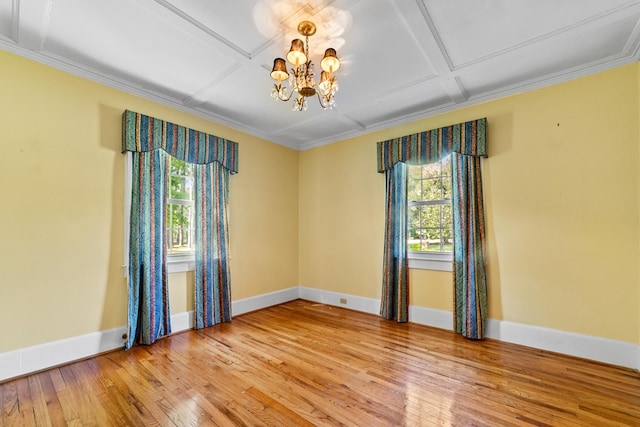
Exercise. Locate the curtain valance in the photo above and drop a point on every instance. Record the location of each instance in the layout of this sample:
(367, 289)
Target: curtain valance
(144, 133)
(429, 146)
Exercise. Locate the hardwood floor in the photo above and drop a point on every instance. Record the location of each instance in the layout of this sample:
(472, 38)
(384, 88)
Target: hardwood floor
(303, 363)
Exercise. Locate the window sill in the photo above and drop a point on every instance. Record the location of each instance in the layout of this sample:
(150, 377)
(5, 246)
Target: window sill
(180, 263)
(431, 261)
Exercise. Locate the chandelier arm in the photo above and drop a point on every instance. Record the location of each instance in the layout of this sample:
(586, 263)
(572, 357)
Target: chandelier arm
(321, 100)
(278, 87)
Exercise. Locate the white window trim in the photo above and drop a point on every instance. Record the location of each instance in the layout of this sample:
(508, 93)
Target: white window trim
(441, 261)
(181, 263)
(422, 260)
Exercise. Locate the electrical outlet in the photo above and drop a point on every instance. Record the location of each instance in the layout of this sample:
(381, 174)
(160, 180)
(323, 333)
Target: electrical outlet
(343, 300)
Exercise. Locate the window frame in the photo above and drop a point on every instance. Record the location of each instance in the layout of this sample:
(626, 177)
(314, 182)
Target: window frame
(429, 260)
(181, 262)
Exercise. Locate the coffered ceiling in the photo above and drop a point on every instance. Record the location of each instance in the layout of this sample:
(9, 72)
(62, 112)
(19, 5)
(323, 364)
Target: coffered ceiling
(401, 60)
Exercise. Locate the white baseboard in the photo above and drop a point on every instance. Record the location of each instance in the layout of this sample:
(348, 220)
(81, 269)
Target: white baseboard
(181, 321)
(424, 316)
(27, 360)
(258, 302)
(33, 359)
(431, 317)
(605, 350)
(366, 305)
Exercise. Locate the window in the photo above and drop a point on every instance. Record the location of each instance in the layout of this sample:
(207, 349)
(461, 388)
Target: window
(429, 216)
(180, 208)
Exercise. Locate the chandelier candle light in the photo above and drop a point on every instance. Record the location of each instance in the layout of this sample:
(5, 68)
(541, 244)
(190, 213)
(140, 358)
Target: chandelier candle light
(301, 77)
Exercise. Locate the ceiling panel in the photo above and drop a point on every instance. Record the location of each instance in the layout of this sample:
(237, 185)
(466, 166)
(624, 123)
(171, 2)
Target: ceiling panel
(241, 31)
(472, 30)
(6, 19)
(522, 66)
(382, 48)
(401, 60)
(312, 133)
(404, 102)
(259, 110)
(145, 49)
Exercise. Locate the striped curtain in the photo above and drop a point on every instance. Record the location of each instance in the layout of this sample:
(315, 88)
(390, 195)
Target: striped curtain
(469, 277)
(212, 293)
(148, 293)
(395, 281)
(468, 141)
(214, 159)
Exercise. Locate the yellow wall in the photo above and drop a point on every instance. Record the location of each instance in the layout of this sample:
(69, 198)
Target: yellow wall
(341, 216)
(562, 186)
(562, 190)
(61, 215)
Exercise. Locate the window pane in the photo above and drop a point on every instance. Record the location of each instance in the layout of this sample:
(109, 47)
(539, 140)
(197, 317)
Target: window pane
(413, 217)
(415, 173)
(414, 190)
(180, 187)
(447, 227)
(432, 170)
(432, 189)
(179, 231)
(429, 212)
(181, 180)
(446, 187)
(446, 178)
(446, 166)
(180, 209)
(431, 222)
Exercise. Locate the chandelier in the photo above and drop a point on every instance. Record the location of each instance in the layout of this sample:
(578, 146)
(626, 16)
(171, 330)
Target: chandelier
(301, 79)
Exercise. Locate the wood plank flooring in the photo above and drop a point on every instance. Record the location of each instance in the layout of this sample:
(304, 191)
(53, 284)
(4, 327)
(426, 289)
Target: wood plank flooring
(303, 364)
